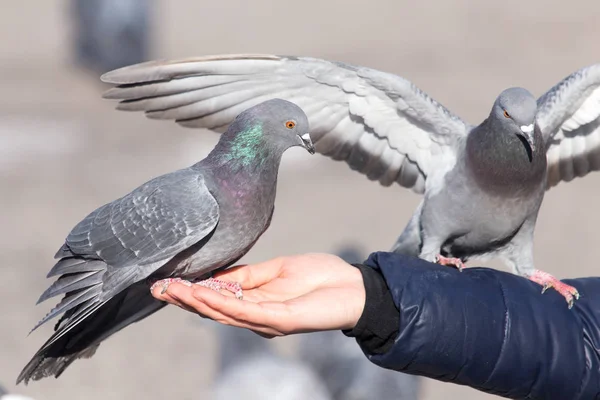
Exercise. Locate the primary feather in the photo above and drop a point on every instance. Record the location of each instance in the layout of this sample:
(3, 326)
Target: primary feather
(380, 124)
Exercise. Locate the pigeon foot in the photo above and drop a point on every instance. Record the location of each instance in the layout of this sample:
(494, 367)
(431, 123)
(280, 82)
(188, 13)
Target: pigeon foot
(547, 281)
(166, 282)
(217, 285)
(450, 261)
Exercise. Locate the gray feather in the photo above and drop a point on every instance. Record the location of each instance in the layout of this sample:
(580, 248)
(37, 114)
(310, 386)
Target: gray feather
(209, 91)
(130, 230)
(71, 282)
(74, 264)
(380, 124)
(69, 302)
(569, 116)
(187, 224)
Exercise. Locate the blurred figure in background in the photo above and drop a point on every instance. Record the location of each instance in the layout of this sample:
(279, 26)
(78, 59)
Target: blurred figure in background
(111, 33)
(328, 366)
(264, 375)
(248, 364)
(4, 395)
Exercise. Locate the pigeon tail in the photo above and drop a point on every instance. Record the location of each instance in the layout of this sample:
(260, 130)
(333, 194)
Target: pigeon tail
(73, 339)
(81, 284)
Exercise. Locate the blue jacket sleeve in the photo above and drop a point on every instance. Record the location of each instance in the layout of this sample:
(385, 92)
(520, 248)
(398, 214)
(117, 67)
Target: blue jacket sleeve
(492, 330)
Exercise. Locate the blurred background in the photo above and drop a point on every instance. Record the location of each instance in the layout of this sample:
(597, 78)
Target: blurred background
(64, 151)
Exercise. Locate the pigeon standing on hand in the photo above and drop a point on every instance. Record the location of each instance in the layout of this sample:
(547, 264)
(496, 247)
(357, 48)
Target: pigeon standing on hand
(181, 225)
(483, 185)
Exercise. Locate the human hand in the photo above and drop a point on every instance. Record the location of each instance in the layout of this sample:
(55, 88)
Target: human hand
(286, 295)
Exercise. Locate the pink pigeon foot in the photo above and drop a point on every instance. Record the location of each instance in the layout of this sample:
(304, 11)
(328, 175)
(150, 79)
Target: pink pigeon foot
(450, 261)
(548, 281)
(218, 285)
(166, 282)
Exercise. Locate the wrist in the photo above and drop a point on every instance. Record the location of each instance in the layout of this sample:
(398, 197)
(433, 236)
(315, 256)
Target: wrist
(378, 325)
(357, 299)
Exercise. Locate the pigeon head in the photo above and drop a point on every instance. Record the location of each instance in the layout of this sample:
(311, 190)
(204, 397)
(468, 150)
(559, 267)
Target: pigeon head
(515, 111)
(278, 123)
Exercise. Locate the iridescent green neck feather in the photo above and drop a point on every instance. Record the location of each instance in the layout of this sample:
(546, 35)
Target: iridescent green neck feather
(245, 149)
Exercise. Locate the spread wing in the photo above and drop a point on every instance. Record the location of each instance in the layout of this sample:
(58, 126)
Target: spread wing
(569, 117)
(380, 124)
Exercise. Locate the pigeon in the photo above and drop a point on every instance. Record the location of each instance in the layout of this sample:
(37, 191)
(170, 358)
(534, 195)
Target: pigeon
(111, 33)
(482, 185)
(182, 225)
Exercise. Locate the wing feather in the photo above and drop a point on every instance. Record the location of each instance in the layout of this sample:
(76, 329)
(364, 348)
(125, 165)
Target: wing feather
(379, 123)
(569, 117)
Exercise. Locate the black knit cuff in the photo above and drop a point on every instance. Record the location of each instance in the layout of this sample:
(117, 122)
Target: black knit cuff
(378, 325)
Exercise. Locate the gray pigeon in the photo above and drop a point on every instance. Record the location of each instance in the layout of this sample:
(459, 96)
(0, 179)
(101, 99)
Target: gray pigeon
(185, 224)
(482, 185)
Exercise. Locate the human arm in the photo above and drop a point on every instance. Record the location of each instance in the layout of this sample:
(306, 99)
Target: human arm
(484, 328)
(491, 330)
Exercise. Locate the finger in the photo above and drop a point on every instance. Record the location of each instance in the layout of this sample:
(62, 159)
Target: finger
(253, 275)
(197, 306)
(264, 331)
(264, 314)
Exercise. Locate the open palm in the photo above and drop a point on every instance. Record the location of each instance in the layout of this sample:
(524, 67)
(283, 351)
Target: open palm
(282, 296)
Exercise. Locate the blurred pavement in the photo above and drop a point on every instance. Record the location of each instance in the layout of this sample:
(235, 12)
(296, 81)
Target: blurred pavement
(64, 151)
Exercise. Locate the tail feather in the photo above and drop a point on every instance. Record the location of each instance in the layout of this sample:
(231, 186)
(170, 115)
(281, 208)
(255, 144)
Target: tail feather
(84, 327)
(80, 281)
(40, 367)
(70, 301)
(72, 282)
(74, 265)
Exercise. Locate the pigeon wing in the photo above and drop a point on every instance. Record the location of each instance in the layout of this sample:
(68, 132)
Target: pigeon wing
(569, 118)
(380, 124)
(151, 224)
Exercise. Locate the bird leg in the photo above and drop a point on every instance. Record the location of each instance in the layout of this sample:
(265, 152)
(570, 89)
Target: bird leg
(450, 261)
(166, 282)
(218, 285)
(548, 281)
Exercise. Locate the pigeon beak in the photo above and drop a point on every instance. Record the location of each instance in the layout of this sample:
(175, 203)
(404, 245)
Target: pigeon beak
(307, 143)
(528, 135)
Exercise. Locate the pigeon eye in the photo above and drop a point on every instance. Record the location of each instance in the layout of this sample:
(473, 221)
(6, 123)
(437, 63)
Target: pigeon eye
(290, 124)
(507, 115)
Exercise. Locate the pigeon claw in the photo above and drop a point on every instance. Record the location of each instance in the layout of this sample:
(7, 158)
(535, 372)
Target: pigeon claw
(218, 285)
(166, 282)
(547, 281)
(450, 261)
